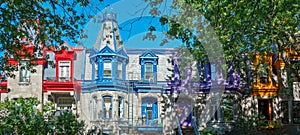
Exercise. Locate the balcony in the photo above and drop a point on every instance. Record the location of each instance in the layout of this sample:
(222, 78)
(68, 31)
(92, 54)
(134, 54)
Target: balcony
(138, 125)
(60, 79)
(61, 84)
(105, 84)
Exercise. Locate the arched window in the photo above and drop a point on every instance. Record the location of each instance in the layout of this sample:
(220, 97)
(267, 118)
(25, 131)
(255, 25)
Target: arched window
(121, 107)
(107, 107)
(94, 108)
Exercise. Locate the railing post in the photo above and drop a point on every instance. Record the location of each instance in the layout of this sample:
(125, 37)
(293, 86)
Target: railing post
(178, 124)
(195, 126)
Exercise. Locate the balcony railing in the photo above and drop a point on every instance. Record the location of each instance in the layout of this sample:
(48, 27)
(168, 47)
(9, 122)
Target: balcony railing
(60, 79)
(136, 122)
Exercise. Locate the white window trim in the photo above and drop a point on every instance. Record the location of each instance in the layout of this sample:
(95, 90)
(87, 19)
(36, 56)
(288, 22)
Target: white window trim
(23, 63)
(109, 67)
(67, 64)
(145, 74)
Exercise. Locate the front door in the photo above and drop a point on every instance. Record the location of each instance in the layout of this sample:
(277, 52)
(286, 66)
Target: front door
(265, 108)
(149, 112)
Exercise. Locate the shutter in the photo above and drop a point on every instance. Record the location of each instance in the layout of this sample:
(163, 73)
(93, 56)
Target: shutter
(154, 111)
(144, 109)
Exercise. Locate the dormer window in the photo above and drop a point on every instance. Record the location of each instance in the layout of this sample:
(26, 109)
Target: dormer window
(148, 71)
(64, 70)
(149, 62)
(107, 69)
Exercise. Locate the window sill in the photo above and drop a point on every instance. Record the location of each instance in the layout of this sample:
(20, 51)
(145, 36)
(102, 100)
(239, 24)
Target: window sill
(24, 83)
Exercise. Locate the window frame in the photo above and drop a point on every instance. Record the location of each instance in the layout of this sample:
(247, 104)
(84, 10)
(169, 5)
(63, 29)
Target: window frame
(94, 108)
(104, 108)
(108, 68)
(151, 73)
(121, 107)
(24, 73)
(96, 70)
(263, 72)
(64, 65)
(119, 70)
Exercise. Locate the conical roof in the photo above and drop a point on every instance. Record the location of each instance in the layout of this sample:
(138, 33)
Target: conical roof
(109, 34)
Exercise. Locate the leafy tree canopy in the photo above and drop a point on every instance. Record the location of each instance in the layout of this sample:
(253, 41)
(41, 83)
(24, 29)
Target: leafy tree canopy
(240, 26)
(39, 22)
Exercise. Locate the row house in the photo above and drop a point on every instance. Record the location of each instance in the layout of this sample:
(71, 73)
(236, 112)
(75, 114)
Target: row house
(61, 77)
(121, 90)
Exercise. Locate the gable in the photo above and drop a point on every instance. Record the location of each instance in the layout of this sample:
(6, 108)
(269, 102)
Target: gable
(122, 52)
(106, 49)
(148, 54)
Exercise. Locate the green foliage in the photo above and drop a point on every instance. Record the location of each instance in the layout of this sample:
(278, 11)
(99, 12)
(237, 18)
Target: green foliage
(240, 26)
(208, 131)
(66, 124)
(24, 116)
(228, 109)
(38, 22)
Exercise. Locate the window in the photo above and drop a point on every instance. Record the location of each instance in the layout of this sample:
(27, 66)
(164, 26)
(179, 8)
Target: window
(149, 112)
(107, 69)
(120, 70)
(107, 107)
(94, 108)
(265, 108)
(263, 73)
(148, 71)
(24, 73)
(64, 70)
(121, 107)
(65, 103)
(96, 70)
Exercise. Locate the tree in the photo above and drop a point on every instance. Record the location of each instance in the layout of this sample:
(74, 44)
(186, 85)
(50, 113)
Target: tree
(22, 116)
(241, 27)
(40, 23)
(66, 124)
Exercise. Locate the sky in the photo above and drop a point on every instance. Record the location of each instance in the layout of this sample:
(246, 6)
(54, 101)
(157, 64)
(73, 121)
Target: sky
(134, 20)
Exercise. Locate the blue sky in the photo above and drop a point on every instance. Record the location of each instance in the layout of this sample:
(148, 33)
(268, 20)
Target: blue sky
(134, 20)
